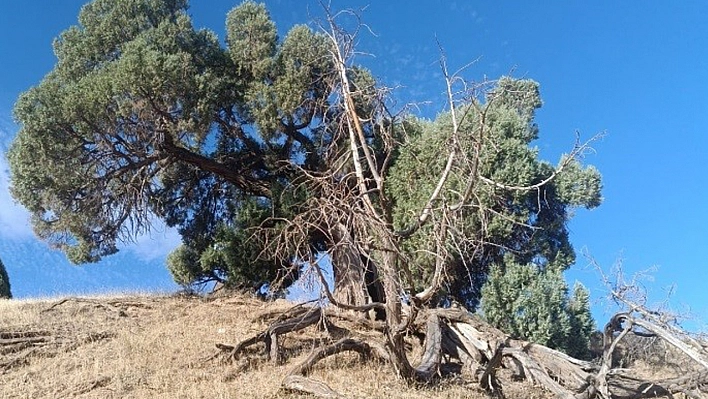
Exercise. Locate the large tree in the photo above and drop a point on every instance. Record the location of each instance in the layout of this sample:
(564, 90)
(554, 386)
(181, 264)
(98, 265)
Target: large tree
(271, 155)
(264, 152)
(145, 117)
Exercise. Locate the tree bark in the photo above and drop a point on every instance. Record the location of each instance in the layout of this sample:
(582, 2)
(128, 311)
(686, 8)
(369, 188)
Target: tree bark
(356, 280)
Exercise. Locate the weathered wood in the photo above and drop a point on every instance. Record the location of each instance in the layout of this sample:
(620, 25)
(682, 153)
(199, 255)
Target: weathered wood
(666, 335)
(488, 378)
(457, 335)
(453, 346)
(573, 373)
(9, 334)
(297, 377)
(538, 374)
(430, 362)
(343, 345)
(303, 318)
(625, 386)
(303, 384)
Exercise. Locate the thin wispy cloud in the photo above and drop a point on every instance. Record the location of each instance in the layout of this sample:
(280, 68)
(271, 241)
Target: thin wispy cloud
(155, 244)
(14, 218)
(15, 224)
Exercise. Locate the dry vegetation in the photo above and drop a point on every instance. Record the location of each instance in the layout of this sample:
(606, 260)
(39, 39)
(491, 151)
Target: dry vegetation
(165, 347)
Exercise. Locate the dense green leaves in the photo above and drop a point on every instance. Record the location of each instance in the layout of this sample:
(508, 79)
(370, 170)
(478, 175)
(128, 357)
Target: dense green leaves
(146, 117)
(252, 39)
(532, 303)
(143, 116)
(510, 215)
(582, 325)
(232, 254)
(86, 159)
(5, 291)
(105, 27)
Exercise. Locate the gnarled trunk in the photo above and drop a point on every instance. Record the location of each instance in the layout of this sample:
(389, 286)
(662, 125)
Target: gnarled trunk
(356, 279)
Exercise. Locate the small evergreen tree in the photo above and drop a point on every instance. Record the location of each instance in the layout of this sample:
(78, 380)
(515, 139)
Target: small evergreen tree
(531, 302)
(581, 323)
(4, 283)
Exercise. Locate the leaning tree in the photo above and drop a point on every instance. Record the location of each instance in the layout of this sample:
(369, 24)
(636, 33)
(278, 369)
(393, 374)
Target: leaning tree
(277, 156)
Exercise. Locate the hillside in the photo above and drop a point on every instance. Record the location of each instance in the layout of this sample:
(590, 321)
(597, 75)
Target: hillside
(164, 347)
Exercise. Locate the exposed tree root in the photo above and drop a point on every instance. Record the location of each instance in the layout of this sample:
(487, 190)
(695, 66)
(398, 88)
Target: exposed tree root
(116, 306)
(430, 362)
(297, 380)
(15, 341)
(303, 384)
(455, 336)
(17, 347)
(298, 319)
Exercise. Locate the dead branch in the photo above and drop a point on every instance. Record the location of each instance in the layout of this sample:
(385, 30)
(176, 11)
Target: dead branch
(303, 384)
(305, 317)
(665, 334)
(362, 322)
(343, 345)
(23, 345)
(107, 305)
(12, 345)
(350, 215)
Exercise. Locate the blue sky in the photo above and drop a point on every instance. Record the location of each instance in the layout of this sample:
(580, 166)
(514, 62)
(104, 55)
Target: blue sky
(635, 70)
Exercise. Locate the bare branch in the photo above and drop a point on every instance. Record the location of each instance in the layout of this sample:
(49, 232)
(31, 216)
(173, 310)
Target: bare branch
(577, 151)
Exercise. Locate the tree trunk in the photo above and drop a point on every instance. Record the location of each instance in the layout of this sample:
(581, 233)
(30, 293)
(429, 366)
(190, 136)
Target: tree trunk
(356, 280)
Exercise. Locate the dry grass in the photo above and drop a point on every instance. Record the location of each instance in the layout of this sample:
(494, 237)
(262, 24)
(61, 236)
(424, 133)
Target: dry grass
(155, 347)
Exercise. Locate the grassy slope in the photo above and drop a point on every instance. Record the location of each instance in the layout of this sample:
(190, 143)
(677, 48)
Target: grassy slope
(156, 347)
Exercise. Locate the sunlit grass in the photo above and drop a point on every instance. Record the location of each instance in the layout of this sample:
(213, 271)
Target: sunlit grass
(123, 345)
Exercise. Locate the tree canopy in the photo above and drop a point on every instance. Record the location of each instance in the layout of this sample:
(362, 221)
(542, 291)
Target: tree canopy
(143, 116)
(246, 149)
(273, 156)
(517, 211)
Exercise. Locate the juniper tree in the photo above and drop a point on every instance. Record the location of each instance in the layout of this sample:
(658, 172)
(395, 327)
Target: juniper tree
(145, 117)
(582, 325)
(531, 302)
(270, 154)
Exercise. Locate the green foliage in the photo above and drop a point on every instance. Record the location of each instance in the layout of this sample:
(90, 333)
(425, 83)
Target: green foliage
(252, 38)
(582, 326)
(532, 303)
(144, 117)
(84, 161)
(4, 283)
(232, 255)
(495, 138)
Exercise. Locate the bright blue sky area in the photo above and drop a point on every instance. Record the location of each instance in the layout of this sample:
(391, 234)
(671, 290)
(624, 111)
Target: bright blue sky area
(635, 70)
